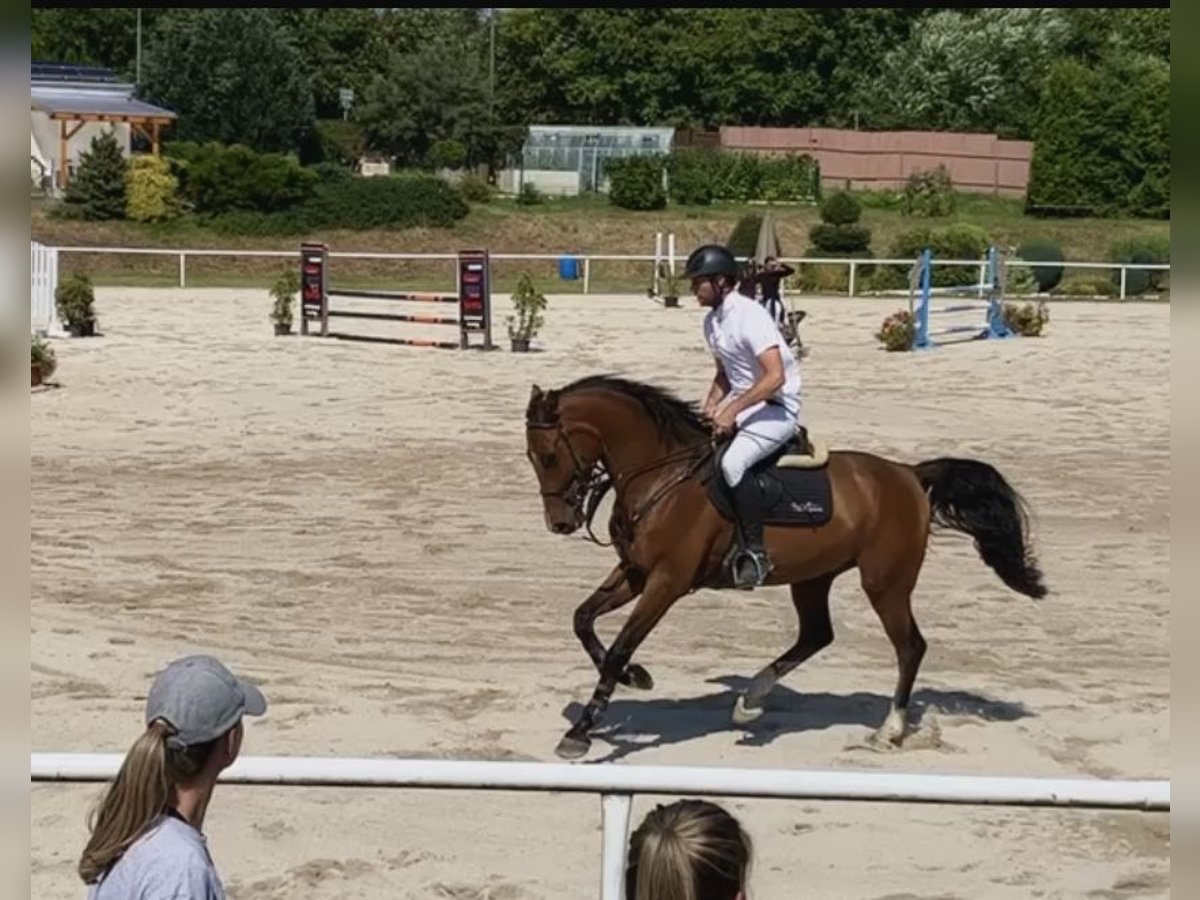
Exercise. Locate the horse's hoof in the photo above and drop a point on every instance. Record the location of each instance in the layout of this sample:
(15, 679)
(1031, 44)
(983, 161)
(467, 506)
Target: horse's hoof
(572, 748)
(884, 741)
(636, 677)
(742, 714)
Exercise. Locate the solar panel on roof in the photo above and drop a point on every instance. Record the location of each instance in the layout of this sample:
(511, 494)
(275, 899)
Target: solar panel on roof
(45, 71)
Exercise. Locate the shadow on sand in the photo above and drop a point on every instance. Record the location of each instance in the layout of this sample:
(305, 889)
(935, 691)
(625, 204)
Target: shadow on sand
(632, 725)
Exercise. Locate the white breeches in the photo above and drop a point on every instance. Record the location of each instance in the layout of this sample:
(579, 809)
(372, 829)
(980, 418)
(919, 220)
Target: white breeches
(758, 435)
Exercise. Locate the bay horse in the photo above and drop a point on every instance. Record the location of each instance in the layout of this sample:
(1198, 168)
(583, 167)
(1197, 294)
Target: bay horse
(672, 537)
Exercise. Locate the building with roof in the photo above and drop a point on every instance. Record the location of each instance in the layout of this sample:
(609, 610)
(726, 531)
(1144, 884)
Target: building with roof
(72, 104)
(566, 160)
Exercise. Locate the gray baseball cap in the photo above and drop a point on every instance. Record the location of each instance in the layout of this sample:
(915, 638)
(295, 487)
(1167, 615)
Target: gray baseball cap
(201, 700)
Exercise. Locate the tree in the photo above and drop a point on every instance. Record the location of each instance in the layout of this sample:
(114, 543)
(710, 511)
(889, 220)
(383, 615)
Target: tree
(1103, 136)
(97, 191)
(434, 92)
(963, 71)
(231, 75)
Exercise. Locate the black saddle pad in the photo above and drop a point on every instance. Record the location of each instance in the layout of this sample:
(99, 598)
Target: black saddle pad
(789, 496)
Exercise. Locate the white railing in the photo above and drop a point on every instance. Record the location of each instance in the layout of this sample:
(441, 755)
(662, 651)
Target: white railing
(617, 784)
(587, 259)
(43, 281)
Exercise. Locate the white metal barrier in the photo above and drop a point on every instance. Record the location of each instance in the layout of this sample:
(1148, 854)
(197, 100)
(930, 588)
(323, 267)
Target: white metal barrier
(616, 785)
(43, 281)
(652, 260)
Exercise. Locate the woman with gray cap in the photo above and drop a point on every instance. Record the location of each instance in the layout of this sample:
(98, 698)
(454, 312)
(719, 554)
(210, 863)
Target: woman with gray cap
(147, 833)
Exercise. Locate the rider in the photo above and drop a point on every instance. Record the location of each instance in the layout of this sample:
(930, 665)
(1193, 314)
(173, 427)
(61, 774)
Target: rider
(756, 389)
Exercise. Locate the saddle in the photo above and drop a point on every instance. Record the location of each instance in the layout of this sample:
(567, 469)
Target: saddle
(793, 483)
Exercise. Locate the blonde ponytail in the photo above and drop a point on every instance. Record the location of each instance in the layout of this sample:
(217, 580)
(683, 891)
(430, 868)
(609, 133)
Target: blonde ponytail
(688, 850)
(143, 790)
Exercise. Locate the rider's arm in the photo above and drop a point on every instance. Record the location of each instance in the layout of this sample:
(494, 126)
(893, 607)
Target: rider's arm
(770, 381)
(718, 391)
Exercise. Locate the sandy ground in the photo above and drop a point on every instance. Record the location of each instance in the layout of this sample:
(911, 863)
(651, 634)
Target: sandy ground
(355, 527)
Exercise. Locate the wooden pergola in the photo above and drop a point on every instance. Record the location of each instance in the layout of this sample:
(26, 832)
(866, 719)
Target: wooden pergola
(69, 123)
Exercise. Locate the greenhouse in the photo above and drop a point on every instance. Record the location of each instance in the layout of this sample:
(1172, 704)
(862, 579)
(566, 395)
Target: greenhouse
(568, 159)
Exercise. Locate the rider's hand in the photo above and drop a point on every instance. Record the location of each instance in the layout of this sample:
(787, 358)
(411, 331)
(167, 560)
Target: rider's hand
(724, 420)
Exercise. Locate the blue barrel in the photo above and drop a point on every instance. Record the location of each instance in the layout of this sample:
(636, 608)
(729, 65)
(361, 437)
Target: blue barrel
(568, 268)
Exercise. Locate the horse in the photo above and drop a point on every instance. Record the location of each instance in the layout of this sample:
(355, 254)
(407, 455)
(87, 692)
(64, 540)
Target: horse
(673, 535)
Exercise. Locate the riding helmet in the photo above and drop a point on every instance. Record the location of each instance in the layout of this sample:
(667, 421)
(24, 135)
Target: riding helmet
(711, 259)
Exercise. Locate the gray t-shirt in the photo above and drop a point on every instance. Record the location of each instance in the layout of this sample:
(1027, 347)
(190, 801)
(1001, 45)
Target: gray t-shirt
(169, 862)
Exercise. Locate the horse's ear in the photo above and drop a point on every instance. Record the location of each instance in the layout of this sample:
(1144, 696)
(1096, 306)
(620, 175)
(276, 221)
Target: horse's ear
(535, 394)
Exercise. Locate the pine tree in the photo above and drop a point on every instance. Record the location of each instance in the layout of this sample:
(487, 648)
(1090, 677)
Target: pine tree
(97, 191)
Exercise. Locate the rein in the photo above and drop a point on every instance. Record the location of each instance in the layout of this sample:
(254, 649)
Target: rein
(595, 483)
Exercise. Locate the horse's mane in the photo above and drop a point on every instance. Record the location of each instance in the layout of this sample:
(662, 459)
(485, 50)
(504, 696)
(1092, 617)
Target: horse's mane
(679, 419)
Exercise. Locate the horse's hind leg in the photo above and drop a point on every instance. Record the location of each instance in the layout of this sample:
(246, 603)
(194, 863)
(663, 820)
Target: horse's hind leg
(891, 596)
(816, 633)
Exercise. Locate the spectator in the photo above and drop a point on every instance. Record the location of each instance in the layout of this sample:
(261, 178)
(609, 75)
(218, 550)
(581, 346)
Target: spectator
(147, 835)
(688, 850)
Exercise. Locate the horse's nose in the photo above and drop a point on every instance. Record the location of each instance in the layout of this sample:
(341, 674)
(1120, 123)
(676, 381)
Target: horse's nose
(561, 528)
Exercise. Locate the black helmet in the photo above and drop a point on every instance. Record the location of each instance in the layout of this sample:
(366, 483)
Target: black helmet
(711, 259)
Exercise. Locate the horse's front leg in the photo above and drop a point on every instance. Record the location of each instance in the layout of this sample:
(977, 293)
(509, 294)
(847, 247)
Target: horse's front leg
(619, 588)
(661, 591)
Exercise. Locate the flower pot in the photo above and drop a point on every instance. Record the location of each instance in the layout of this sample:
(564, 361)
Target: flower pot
(36, 378)
(670, 301)
(82, 329)
(520, 345)
(282, 328)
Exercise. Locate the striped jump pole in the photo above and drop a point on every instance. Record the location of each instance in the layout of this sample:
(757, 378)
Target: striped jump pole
(992, 327)
(473, 300)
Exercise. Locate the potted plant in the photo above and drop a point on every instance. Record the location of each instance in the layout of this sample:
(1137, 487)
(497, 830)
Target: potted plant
(73, 300)
(283, 292)
(670, 286)
(529, 304)
(43, 360)
(897, 331)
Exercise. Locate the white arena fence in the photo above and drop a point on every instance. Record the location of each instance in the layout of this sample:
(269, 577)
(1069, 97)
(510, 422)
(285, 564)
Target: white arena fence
(43, 282)
(586, 260)
(617, 784)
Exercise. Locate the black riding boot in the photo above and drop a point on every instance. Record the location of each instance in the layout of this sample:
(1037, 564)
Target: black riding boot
(750, 564)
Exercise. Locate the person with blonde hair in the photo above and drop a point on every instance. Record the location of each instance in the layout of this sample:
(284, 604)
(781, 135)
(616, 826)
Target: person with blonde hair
(147, 834)
(688, 850)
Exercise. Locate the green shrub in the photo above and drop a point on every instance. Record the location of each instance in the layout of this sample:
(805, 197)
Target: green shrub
(700, 175)
(97, 189)
(958, 241)
(223, 179)
(840, 208)
(395, 201)
(150, 190)
(929, 194)
(839, 239)
(690, 175)
(1041, 250)
(475, 188)
(447, 154)
(887, 278)
(1078, 285)
(1143, 251)
(636, 182)
(339, 141)
(529, 195)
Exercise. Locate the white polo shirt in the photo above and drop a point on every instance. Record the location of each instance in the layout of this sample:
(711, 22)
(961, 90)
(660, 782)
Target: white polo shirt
(738, 331)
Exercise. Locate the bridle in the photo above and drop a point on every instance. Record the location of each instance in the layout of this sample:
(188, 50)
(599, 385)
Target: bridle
(585, 488)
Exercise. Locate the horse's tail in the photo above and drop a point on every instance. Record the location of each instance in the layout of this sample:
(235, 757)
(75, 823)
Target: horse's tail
(974, 498)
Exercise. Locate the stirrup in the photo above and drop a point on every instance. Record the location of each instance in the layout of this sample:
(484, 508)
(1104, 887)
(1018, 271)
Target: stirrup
(758, 569)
